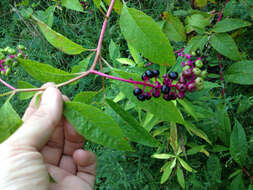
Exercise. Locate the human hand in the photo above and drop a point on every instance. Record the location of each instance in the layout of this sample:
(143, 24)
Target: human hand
(46, 143)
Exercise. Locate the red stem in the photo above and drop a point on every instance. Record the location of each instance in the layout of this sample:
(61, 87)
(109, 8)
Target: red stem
(7, 85)
(247, 173)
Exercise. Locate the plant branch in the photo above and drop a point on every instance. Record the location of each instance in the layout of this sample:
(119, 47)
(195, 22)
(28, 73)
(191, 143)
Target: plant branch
(102, 35)
(7, 85)
(247, 173)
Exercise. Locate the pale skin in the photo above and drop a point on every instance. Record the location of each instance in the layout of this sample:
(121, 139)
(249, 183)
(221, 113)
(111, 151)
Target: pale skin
(46, 144)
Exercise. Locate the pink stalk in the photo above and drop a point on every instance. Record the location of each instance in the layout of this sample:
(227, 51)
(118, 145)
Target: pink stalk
(102, 34)
(121, 79)
(7, 85)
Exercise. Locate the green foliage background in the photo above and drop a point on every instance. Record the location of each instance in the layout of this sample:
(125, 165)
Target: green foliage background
(123, 170)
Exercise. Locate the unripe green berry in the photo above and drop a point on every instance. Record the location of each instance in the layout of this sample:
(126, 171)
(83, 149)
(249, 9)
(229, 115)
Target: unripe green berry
(194, 53)
(20, 55)
(11, 51)
(200, 87)
(199, 63)
(2, 73)
(186, 67)
(196, 71)
(8, 61)
(8, 71)
(21, 47)
(204, 74)
(199, 81)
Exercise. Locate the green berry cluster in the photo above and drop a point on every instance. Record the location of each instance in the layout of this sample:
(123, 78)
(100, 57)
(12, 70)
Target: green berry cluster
(8, 58)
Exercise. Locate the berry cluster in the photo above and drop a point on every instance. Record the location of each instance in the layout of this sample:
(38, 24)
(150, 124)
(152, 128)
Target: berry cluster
(8, 58)
(84, 3)
(173, 85)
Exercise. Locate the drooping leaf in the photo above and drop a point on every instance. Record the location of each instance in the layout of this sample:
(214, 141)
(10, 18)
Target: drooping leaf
(47, 16)
(237, 183)
(225, 45)
(197, 132)
(180, 177)
(240, 73)
(173, 136)
(44, 72)
(214, 169)
(117, 5)
(126, 61)
(114, 50)
(185, 165)
(174, 28)
(238, 144)
(166, 111)
(188, 107)
(73, 5)
(58, 40)
(168, 170)
(229, 24)
(9, 121)
(163, 156)
(86, 97)
(95, 125)
(25, 95)
(134, 131)
(135, 54)
(136, 28)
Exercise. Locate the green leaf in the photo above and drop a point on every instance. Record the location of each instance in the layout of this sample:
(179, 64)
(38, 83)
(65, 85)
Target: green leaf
(134, 131)
(197, 42)
(219, 148)
(168, 170)
(180, 177)
(235, 173)
(200, 3)
(185, 165)
(126, 61)
(198, 21)
(82, 65)
(198, 132)
(162, 156)
(237, 183)
(135, 54)
(188, 107)
(114, 50)
(225, 45)
(214, 169)
(44, 72)
(174, 28)
(9, 121)
(47, 16)
(86, 97)
(240, 73)
(95, 125)
(136, 28)
(238, 144)
(117, 5)
(58, 40)
(97, 3)
(229, 24)
(173, 136)
(73, 5)
(224, 125)
(166, 111)
(25, 95)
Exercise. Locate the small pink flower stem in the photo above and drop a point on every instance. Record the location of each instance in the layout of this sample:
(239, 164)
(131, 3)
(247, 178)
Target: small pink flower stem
(178, 51)
(120, 79)
(7, 85)
(102, 35)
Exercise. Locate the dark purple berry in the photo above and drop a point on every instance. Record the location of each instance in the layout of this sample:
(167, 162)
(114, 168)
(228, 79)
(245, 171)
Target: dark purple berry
(149, 73)
(144, 77)
(156, 93)
(173, 96)
(173, 75)
(166, 97)
(165, 89)
(181, 87)
(191, 87)
(187, 72)
(156, 73)
(147, 96)
(141, 97)
(137, 91)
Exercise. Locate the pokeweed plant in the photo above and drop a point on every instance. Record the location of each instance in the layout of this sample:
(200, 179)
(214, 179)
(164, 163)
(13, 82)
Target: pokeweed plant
(161, 95)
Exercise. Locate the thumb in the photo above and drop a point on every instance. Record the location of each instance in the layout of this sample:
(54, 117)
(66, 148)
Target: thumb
(37, 130)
